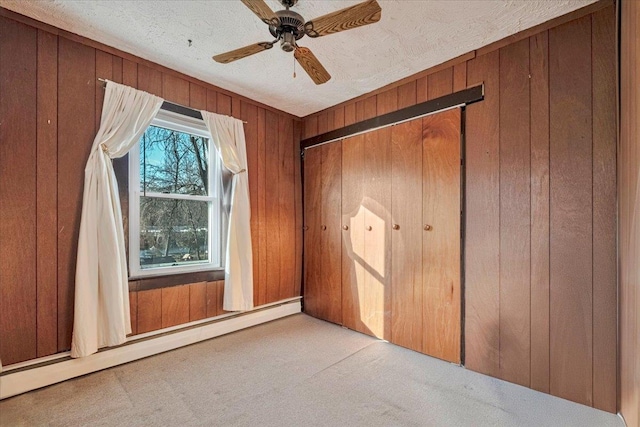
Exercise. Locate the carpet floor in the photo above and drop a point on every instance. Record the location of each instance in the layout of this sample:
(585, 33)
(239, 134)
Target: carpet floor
(296, 371)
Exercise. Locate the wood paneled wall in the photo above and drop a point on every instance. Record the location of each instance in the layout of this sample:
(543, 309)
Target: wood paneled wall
(540, 231)
(50, 106)
(628, 210)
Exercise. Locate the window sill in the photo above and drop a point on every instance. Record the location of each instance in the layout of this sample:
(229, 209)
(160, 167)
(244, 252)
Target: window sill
(176, 279)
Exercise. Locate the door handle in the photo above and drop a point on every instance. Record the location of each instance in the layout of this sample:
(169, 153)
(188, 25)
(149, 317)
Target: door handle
(396, 226)
(427, 227)
(369, 228)
(345, 227)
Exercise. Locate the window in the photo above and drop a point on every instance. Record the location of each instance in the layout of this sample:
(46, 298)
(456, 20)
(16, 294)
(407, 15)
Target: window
(174, 199)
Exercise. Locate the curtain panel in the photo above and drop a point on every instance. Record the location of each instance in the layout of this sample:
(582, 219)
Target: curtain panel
(228, 137)
(101, 305)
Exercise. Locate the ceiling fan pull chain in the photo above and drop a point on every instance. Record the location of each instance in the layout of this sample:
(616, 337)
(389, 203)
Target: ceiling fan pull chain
(294, 67)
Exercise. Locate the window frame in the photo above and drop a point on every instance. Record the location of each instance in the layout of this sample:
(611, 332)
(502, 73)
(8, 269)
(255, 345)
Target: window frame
(180, 123)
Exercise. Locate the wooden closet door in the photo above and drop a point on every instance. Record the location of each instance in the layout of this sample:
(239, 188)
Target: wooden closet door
(330, 262)
(366, 212)
(353, 268)
(312, 219)
(406, 237)
(375, 304)
(441, 235)
(322, 238)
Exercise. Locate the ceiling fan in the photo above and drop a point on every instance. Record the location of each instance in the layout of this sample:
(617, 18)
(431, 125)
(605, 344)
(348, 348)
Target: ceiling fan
(288, 27)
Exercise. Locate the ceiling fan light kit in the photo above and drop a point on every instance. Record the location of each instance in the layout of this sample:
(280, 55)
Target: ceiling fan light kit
(288, 27)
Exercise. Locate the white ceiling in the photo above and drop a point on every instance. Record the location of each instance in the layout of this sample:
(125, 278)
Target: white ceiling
(411, 36)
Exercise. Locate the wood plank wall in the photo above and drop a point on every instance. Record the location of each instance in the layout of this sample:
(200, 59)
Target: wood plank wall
(540, 231)
(50, 108)
(629, 207)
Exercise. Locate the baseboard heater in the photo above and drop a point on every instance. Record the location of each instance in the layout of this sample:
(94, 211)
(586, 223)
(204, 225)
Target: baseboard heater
(23, 377)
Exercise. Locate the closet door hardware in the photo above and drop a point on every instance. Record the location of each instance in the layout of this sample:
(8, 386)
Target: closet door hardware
(369, 228)
(324, 227)
(345, 227)
(396, 226)
(427, 227)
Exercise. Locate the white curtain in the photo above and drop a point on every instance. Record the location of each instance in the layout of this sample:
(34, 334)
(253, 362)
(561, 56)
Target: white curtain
(102, 290)
(228, 137)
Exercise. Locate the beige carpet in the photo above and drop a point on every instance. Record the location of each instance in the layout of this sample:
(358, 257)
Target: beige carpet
(296, 371)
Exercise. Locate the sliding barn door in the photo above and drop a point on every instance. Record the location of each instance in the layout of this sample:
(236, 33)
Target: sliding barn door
(441, 235)
(322, 237)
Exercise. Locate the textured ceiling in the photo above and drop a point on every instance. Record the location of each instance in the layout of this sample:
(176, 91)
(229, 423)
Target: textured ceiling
(411, 36)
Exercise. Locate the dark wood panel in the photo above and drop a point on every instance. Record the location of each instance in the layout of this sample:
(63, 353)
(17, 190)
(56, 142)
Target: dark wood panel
(338, 117)
(116, 65)
(360, 111)
(236, 106)
(459, 76)
(604, 210)
(212, 100)
(441, 241)
(297, 163)
(407, 94)
(330, 231)
(370, 107)
(104, 70)
(515, 214)
(482, 229)
(149, 310)
(224, 104)
(150, 80)
(539, 63)
(271, 219)
(375, 300)
(129, 73)
(220, 289)
(133, 312)
(286, 208)
(312, 216)
(422, 89)
(406, 240)
(175, 89)
(18, 82)
(323, 122)
(440, 83)
(197, 301)
(310, 126)
(47, 194)
(571, 344)
(387, 101)
(353, 268)
(175, 305)
(213, 302)
(349, 114)
(76, 131)
(197, 96)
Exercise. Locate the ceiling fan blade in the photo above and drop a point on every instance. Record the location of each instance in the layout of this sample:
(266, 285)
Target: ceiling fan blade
(344, 19)
(264, 12)
(311, 65)
(243, 52)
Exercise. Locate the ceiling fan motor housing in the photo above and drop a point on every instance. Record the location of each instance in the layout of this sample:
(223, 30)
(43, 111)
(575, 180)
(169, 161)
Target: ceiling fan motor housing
(291, 28)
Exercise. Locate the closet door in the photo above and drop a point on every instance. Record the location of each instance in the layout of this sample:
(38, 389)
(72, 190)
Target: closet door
(366, 221)
(353, 267)
(330, 235)
(441, 235)
(322, 237)
(406, 237)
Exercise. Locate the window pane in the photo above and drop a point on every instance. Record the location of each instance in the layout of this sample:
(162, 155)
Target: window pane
(173, 232)
(173, 162)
